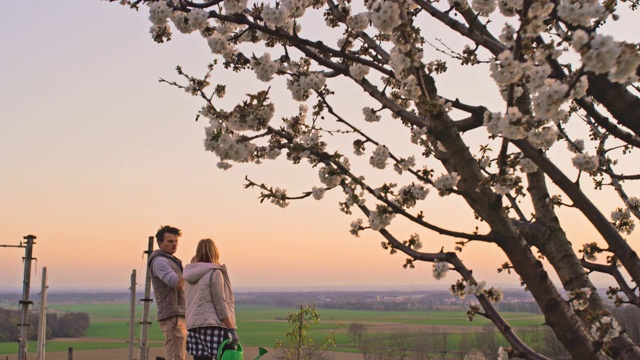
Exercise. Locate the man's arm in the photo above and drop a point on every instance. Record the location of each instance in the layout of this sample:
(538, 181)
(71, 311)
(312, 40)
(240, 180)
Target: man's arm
(163, 270)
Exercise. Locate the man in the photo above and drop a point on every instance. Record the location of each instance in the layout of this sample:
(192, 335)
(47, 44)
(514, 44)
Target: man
(168, 287)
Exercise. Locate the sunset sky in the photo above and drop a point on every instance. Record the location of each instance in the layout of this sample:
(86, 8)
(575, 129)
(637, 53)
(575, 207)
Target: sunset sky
(96, 154)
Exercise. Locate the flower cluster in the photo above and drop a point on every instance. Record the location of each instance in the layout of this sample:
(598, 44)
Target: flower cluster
(414, 242)
(409, 195)
(543, 138)
(218, 43)
(580, 298)
(228, 147)
(484, 7)
(234, 6)
(622, 220)
(379, 158)
(447, 181)
(356, 226)
(440, 269)
(404, 164)
(586, 162)
(301, 86)
(329, 176)
(385, 15)
(463, 288)
(494, 294)
(581, 13)
(318, 193)
(512, 125)
(527, 165)
(264, 67)
(274, 16)
(358, 22)
(279, 197)
(380, 218)
(358, 71)
(606, 329)
(505, 69)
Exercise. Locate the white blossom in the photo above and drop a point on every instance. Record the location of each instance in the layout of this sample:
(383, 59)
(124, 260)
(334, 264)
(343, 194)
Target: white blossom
(484, 7)
(461, 5)
(527, 165)
(358, 71)
(359, 22)
(626, 65)
(370, 115)
(274, 16)
(447, 181)
(398, 61)
(579, 39)
(602, 55)
(279, 197)
(505, 69)
(386, 17)
(605, 329)
(198, 19)
(417, 133)
(510, 8)
(329, 176)
(159, 12)
(410, 88)
(580, 298)
(440, 269)
(218, 43)
(502, 354)
(405, 164)
(543, 138)
(475, 289)
(234, 6)
(264, 67)
(356, 226)
(379, 158)
(633, 202)
(576, 146)
(586, 162)
(580, 13)
(380, 218)
(296, 8)
(547, 102)
(318, 193)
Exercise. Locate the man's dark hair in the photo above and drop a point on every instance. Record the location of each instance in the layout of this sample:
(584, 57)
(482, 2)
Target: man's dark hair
(165, 229)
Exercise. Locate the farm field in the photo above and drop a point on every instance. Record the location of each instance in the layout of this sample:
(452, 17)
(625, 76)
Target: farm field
(262, 326)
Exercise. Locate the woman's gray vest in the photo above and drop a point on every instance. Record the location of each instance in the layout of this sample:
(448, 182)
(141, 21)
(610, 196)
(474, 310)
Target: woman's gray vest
(170, 301)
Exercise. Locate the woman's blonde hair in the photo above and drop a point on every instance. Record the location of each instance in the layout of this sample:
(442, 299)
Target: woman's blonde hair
(207, 251)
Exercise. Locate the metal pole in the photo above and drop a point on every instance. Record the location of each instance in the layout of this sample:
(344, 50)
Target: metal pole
(132, 316)
(144, 331)
(42, 324)
(24, 303)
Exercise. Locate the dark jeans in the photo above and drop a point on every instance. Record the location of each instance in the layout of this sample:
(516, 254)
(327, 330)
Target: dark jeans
(203, 358)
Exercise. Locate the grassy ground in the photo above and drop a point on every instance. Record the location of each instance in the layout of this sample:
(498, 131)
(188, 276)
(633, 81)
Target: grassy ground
(261, 326)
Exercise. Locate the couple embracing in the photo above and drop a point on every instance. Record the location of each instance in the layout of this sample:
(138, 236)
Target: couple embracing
(195, 305)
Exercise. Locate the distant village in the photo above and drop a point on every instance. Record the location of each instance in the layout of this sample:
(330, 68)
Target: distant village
(389, 300)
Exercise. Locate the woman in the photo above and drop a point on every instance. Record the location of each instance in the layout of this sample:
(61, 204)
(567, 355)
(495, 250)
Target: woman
(210, 311)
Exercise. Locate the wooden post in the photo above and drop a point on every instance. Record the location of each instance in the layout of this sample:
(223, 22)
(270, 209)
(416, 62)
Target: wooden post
(144, 331)
(24, 303)
(42, 324)
(70, 355)
(132, 315)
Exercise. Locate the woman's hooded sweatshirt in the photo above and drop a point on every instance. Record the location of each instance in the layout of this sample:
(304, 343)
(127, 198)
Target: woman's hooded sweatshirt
(209, 297)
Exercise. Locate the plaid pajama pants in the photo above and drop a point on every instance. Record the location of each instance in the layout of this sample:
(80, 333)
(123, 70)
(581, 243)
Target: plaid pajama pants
(205, 341)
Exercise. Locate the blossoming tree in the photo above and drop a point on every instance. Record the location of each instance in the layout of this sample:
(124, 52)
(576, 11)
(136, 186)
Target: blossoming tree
(569, 95)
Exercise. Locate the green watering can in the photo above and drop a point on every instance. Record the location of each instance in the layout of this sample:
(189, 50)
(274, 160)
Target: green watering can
(230, 354)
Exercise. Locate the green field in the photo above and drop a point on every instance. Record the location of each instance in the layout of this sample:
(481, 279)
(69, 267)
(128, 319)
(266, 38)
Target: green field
(261, 326)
